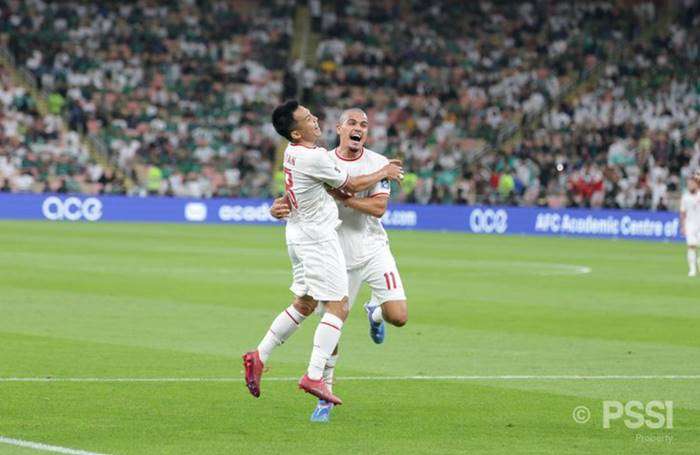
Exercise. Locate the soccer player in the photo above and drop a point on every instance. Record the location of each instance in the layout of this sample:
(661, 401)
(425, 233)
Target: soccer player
(318, 264)
(690, 221)
(364, 242)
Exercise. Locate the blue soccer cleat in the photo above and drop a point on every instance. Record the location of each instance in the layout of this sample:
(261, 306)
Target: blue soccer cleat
(322, 413)
(377, 330)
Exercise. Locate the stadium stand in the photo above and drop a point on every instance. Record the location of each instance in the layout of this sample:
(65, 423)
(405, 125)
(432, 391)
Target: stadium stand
(37, 152)
(179, 93)
(443, 84)
(629, 141)
(590, 104)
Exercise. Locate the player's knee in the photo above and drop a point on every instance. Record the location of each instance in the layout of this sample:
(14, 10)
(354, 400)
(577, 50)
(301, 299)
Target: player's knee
(399, 320)
(344, 309)
(397, 317)
(305, 305)
(341, 308)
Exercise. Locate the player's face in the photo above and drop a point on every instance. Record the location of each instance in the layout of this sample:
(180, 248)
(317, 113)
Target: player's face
(354, 130)
(306, 128)
(692, 184)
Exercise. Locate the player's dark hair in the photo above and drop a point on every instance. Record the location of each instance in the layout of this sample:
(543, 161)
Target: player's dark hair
(283, 118)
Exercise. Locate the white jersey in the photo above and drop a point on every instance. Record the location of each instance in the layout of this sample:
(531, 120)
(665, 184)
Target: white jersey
(361, 235)
(314, 214)
(690, 205)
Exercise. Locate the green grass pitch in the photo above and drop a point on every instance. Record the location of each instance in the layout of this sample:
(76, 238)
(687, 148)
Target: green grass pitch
(180, 301)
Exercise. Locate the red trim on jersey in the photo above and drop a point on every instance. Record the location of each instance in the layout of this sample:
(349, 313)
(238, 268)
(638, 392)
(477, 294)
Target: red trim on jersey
(347, 177)
(379, 194)
(329, 324)
(362, 152)
(302, 145)
(292, 317)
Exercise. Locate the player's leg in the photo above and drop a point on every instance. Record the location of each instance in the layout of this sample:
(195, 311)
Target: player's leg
(692, 255)
(282, 327)
(354, 285)
(395, 312)
(285, 324)
(328, 282)
(322, 412)
(388, 302)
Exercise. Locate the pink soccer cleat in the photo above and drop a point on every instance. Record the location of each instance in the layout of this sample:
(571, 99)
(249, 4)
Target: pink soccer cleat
(318, 389)
(253, 372)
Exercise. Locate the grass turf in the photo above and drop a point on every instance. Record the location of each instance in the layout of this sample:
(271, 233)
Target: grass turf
(176, 301)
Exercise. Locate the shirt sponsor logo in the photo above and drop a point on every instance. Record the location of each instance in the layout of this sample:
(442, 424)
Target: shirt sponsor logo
(71, 209)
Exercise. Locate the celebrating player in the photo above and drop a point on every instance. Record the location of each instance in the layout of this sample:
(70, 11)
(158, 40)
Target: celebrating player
(364, 242)
(318, 263)
(690, 221)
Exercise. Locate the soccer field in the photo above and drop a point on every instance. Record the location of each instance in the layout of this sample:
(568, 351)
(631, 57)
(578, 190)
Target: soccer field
(508, 335)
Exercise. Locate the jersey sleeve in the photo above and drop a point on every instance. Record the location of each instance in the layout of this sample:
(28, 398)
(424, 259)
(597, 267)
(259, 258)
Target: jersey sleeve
(383, 186)
(323, 168)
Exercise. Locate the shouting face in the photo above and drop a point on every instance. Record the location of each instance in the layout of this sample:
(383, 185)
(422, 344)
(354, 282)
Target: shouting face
(352, 129)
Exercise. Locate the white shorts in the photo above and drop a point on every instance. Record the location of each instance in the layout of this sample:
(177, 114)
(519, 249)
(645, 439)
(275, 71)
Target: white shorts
(692, 235)
(318, 270)
(382, 276)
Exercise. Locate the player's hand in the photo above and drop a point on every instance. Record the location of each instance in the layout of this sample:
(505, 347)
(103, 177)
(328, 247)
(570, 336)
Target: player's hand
(280, 208)
(338, 193)
(394, 170)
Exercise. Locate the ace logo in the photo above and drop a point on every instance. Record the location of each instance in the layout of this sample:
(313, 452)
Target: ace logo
(488, 221)
(654, 415)
(71, 209)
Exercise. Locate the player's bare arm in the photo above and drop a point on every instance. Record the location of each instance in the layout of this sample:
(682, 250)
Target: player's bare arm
(392, 171)
(338, 193)
(374, 206)
(682, 219)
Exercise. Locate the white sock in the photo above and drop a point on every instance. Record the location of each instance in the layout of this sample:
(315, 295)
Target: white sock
(284, 325)
(692, 260)
(325, 340)
(329, 370)
(377, 314)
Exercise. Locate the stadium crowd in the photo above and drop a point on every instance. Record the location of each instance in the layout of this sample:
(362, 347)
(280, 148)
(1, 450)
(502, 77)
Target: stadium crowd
(449, 78)
(181, 92)
(472, 95)
(37, 152)
(630, 140)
